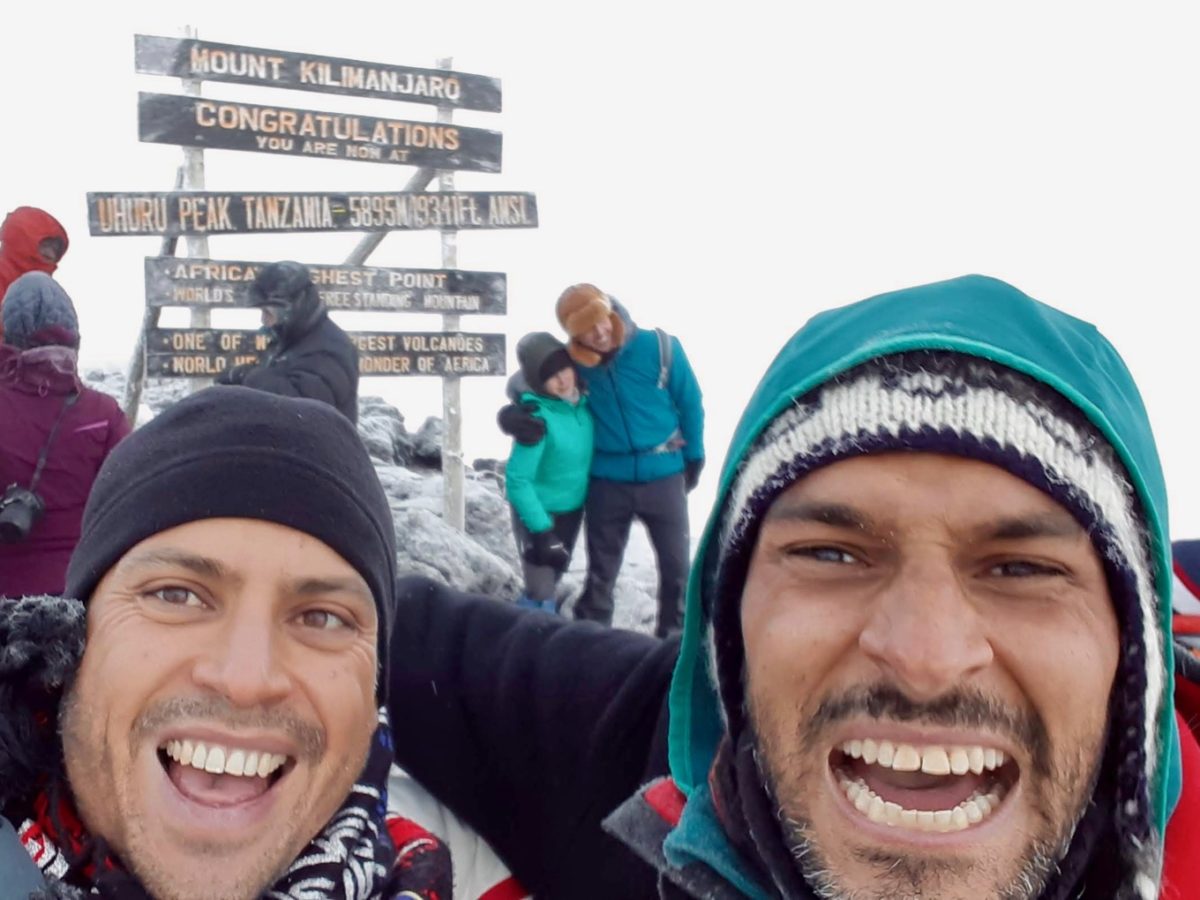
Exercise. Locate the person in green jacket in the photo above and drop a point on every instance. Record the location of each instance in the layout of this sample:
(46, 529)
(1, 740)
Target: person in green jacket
(547, 481)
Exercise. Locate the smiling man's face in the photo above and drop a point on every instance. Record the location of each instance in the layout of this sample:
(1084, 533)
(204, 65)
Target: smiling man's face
(224, 706)
(930, 647)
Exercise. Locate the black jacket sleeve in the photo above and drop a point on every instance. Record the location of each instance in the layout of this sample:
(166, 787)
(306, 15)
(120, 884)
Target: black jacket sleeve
(532, 729)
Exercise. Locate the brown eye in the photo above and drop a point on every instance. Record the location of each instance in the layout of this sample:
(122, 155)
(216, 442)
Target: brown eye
(824, 554)
(323, 620)
(1023, 568)
(177, 596)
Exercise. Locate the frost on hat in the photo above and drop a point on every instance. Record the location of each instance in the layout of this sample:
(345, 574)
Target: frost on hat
(37, 311)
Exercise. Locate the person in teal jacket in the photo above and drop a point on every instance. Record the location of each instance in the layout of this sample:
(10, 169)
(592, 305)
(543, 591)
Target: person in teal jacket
(547, 481)
(926, 653)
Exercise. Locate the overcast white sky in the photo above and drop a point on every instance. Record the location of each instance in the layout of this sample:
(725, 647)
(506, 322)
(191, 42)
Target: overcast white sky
(725, 169)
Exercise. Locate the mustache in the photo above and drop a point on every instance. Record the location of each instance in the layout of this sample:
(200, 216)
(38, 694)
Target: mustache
(960, 708)
(309, 739)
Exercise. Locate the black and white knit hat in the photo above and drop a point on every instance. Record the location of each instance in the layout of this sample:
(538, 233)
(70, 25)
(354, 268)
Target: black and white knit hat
(947, 402)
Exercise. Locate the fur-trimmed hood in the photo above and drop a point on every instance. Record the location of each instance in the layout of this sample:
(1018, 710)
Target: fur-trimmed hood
(41, 644)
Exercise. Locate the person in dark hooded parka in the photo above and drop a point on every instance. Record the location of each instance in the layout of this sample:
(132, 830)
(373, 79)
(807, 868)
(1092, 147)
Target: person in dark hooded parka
(309, 355)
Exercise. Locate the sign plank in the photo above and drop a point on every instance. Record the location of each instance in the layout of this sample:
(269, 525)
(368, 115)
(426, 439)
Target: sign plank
(226, 125)
(208, 61)
(207, 352)
(176, 281)
(236, 212)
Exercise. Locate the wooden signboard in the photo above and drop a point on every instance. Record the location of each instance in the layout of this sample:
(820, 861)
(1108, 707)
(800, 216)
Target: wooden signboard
(208, 61)
(226, 125)
(207, 352)
(237, 212)
(199, 283)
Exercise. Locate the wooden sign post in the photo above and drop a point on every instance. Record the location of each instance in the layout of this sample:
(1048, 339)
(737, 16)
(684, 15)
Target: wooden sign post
(438, 149)
(244, 212)
(207, 352)
(210, 283)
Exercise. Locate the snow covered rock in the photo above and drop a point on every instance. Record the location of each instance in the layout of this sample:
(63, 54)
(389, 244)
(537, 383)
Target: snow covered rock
(484, 560)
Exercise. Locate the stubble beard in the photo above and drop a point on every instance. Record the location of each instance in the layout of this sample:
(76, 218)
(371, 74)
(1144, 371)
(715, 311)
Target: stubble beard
(914, 878)
(87, 755)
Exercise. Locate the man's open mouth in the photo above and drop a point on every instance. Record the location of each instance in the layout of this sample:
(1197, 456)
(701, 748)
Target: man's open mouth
(931, 788)
(220, 774)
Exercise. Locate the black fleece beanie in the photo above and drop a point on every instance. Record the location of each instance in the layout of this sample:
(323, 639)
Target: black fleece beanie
(235, 452)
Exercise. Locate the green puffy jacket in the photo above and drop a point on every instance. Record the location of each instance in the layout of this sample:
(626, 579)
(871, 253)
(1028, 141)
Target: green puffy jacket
(551, 476)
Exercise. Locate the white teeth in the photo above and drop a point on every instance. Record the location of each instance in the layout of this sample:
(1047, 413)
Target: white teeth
(907, 759)
(887, 753)
(875, 812)
(870, 752)
(217, 759)
(976, 756)
(960, 762)
(970, 812)
(863, 801)
(933, 760)
(892, 813)
(236, 763)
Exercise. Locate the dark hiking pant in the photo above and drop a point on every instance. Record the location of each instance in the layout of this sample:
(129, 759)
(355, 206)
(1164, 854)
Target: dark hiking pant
(609, 512)
(540, 581)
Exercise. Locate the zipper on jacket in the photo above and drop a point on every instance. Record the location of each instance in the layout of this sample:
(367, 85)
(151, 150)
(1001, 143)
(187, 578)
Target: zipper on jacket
(624, 421)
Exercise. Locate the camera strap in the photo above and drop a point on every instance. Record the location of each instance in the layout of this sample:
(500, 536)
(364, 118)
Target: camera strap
(41, 463)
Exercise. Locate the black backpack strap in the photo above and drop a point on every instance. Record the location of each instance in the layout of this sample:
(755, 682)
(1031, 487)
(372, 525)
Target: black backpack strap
(41, 463)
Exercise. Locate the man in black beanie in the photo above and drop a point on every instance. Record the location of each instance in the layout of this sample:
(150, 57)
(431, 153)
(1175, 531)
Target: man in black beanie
(309, 355)
(206, 720)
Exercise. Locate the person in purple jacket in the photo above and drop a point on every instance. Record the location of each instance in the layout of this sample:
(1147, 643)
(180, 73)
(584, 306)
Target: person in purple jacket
(39, 387)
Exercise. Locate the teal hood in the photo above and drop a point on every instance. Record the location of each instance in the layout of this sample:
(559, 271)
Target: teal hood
(973, 315)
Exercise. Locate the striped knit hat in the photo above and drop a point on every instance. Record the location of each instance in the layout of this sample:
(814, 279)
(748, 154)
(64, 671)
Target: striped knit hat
(948, 402)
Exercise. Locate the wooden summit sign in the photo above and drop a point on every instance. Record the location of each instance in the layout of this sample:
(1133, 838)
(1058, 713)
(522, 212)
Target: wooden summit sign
(226, 125)
(172, 281)
(236, 212)
(207, 352)
(207, 61)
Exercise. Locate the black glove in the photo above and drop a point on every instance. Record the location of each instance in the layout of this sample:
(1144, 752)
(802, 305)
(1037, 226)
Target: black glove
(236, 375)
(691, 473)
(545, 549)
(519, 423)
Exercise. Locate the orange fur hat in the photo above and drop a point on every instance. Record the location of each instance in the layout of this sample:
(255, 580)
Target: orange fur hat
(580, 308)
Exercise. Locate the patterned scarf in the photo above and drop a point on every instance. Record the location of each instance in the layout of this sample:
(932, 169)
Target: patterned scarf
(362, 854)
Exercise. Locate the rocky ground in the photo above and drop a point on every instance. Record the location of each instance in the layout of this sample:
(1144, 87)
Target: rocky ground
(484, 560)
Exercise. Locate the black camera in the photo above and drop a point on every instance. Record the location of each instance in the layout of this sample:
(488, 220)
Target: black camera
(20, 508)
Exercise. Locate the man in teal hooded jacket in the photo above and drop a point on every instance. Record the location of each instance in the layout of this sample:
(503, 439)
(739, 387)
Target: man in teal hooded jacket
(926, 651)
